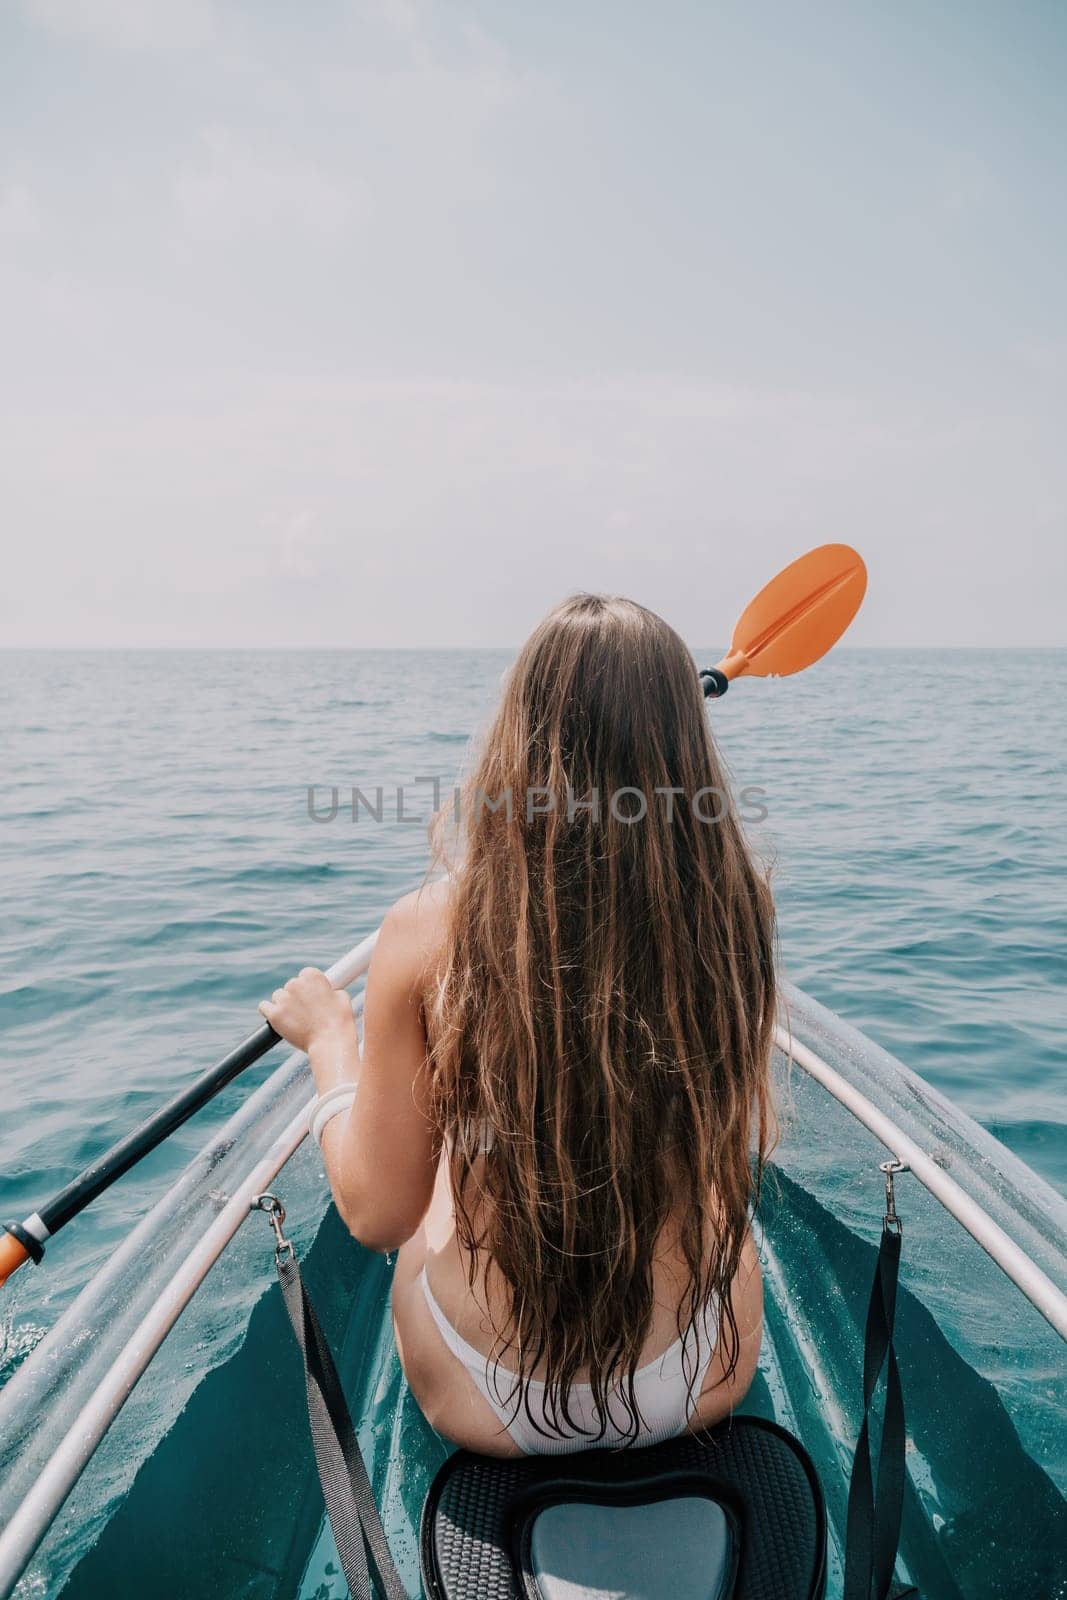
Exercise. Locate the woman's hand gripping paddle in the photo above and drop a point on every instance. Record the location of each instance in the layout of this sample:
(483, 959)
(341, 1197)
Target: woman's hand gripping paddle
(25, 1241)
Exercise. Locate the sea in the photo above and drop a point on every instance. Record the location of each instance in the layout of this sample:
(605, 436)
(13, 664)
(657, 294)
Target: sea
(178, 835)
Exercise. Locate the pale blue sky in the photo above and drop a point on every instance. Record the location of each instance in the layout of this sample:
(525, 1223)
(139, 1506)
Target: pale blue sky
(391, 322)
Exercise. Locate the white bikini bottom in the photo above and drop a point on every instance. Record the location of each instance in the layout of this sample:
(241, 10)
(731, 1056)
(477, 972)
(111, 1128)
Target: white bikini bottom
(666, 1391)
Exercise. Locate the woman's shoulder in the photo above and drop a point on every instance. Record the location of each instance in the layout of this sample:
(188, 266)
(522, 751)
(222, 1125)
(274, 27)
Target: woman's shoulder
(414, 928)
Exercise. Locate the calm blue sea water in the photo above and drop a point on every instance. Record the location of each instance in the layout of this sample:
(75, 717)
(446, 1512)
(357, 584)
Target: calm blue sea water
(161, 873)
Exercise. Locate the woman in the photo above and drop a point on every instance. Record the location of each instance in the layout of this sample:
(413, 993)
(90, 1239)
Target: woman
(564, 1098)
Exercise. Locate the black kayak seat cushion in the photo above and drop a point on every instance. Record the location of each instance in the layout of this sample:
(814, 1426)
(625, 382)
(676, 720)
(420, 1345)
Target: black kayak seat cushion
(678, 1546)
(732, 1513)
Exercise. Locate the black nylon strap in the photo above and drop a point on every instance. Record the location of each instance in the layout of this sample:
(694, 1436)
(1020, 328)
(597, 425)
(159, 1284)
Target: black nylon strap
(350, 1503)
(872, 1530)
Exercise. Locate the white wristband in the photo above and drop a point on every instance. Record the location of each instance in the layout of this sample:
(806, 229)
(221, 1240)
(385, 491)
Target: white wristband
(328, 1106)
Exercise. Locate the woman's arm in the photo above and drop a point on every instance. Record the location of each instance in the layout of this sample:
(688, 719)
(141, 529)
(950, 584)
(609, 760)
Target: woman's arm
(380, 1158)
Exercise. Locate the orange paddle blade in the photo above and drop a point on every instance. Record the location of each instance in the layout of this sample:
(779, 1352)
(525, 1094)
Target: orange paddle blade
(799, 615)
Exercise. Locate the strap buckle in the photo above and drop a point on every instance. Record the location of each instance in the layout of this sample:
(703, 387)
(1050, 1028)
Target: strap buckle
(891, 1222)
(276, 1216)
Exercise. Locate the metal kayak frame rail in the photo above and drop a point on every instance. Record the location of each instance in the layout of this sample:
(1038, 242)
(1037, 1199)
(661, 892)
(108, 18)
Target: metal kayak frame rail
(31, 1518)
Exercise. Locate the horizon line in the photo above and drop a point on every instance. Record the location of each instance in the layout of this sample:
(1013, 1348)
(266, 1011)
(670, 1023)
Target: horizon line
(465, 649)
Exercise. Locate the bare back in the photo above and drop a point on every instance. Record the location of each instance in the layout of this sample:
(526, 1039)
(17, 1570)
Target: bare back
(451, 1402)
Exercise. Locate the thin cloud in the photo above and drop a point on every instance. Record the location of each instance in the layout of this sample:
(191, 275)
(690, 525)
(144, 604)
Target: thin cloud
(127, 24)
(19, 214)
(232, 190)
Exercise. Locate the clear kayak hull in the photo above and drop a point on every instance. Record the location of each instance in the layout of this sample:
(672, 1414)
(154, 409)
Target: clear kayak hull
(206, 1484)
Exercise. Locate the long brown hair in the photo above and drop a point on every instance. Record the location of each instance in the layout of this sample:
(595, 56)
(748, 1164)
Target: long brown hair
(604, 1004)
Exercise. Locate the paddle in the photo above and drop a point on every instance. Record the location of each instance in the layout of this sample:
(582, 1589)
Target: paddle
(791, 623)
(794, 620)
(24, 1241)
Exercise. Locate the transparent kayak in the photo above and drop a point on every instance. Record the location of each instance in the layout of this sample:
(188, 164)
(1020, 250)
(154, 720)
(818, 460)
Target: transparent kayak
(155, 1442)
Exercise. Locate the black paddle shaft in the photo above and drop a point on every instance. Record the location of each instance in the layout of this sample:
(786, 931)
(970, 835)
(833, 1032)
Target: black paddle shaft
(714, 683)
(99, 1175)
